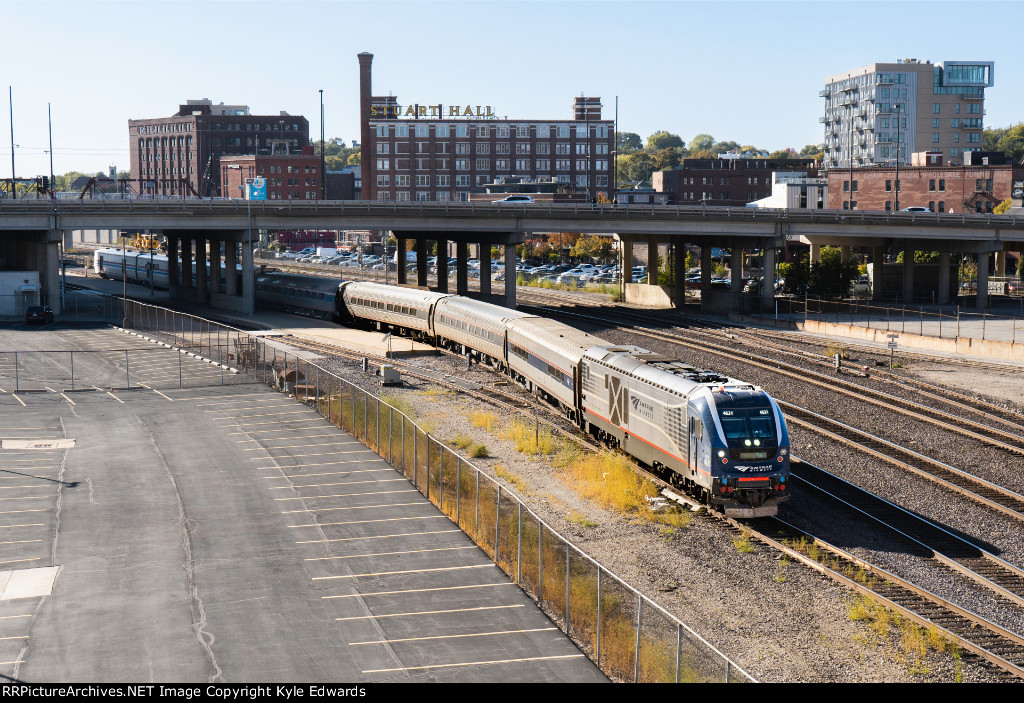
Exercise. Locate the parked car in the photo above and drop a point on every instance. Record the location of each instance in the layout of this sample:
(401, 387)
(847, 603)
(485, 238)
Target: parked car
(41, 314)
(915, 208)
(514, 199)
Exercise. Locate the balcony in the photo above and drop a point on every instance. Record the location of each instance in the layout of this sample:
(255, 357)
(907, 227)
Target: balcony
(824, 93)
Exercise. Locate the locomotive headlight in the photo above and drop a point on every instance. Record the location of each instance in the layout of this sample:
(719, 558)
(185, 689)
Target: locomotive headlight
(757, 443)
(746, 442)
(721, 453)
(783, 451)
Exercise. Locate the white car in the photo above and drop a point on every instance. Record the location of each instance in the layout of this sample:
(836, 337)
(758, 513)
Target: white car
(514, 199)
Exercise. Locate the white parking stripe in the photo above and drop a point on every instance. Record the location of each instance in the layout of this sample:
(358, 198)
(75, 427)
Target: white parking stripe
(421, 590)
(431, 612)
(479, 663)
(407, 571)
(453, 637)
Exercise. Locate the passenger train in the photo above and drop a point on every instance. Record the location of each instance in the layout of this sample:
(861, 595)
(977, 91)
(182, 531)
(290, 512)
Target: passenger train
(720, 439)
(140, 267)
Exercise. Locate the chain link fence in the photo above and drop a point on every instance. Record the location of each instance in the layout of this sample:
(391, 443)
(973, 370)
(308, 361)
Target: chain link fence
(630, 637)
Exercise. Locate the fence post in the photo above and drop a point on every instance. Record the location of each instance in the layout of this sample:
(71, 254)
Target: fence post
(983, 317)
(427, 437)
(127, 376)
(179, 368)
(17, 379)
(903, 319)
(72, 370)
(540, 565)
(958, 320)
(415, 451)
(636, 660)
(567, 588)
(599, 616)
(376, 423)
(366, 430)
(519, 548)
(458, 491)
(497, 522)
(391, 431)
(679, 649)
(921, 313)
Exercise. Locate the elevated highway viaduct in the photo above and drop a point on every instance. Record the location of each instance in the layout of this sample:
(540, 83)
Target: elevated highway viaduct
(32, 230)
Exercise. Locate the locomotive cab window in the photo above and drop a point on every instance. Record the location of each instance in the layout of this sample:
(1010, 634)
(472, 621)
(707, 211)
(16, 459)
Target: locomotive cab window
(750, 433)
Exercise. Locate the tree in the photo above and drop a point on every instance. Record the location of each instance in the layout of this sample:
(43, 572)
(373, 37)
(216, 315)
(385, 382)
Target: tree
(723, 147)
(830, 277)
(702, 142)
(811, 151)
(1012, 142)
(1002, 207)
(666, 159)
(920, 257)
(664, 140)
(628, 142)
(782, 154)
(635, 167)
(353, 160)
(590, 246)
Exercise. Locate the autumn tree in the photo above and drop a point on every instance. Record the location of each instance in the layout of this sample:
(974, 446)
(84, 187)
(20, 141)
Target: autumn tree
(702, 142)
(628, 142)
(664, 140)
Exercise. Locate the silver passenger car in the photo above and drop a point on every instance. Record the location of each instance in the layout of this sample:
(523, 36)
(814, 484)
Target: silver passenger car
(406, 308)
(547, 354)
(473, 324)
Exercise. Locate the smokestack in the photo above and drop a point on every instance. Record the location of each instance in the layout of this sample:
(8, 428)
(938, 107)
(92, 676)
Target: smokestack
(365, 99)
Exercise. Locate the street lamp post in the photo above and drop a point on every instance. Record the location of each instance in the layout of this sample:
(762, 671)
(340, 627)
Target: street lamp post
(248, 212)
(323, 146)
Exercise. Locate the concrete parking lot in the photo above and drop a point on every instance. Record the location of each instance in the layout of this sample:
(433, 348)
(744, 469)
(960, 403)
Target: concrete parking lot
(230, 534)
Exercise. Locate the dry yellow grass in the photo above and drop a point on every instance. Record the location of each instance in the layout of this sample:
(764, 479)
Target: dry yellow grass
(484, 420)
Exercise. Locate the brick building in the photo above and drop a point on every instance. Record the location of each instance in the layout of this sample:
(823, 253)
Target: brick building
(938, 187)
(446, 152)
(724, 182)
(180, 155)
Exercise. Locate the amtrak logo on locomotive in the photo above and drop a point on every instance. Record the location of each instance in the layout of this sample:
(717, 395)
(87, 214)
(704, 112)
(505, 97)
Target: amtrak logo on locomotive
(643, 408)
(764, 467)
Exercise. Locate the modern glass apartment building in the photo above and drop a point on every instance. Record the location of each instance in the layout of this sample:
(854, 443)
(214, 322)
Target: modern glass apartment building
(882, 112)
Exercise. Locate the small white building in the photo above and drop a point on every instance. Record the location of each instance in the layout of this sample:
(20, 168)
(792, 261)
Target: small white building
(18, 290)
(795, 190)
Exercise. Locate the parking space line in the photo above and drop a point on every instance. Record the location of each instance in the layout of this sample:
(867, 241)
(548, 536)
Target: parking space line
(15, 396)
(331, 434)
(332, 473)
(15, 512)
(15, 637)
(454, 637)
(300, 456)
(350, 507)
(378, 554)
(367, 522)
(20, 661)
(370, 493)
(432, 612)
(22, 541)
(479, 663)
(407, 571)
(158, 392)
(12, 617)
(38, 497)
(239, 417)
(31, 524)
(421, 590)
(257, 424)
(356, 539)
(115, 397)
(298, 446)
(338, 483)
(68, 399)
(11, 488)
(303, 466)
(17, 561)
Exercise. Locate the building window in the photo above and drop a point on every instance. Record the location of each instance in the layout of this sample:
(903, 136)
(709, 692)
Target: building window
(935, 108)
(501, 164)
(483, 148)
(931, 206)
(383, 164)
(422, 130)
(935, 137)
(543, 164)
(931, 184)
(442, 181)
(543, 148)
(401, 130)
(441, 131)
(543, 131)
(562, 131)
(502, 148)
(383, 196)
(942, 184)
(422, 197)
(462, 147)
(462, 181)
(581, 131)
(502, 131)
(942, 206)
(888, 186)
(582, 149)
(402, 181)
(423, 181)
(482, 131)
(562, 164)
(523, 148)
(523, 165)
(483, 164)
(461, 130)
(402, 196)
(461, 164)
(382, 131)
(935, 123)
(522, 131)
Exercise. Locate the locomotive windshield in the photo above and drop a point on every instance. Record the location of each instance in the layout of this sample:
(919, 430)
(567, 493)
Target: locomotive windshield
(749, 432)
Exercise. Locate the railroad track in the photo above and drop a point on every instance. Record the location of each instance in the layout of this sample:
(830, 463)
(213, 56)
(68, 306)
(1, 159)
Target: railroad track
(977, 489)
(971, 632)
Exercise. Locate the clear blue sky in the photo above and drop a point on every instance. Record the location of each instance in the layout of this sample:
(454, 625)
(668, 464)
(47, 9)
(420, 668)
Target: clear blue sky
(747, 71)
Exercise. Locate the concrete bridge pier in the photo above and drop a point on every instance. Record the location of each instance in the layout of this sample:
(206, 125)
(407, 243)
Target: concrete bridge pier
(461, 268)
(736, 266)
(768, 285)
(202, 293)
(626, 246)
(485, 270)
(877, 266)
(400, 259)
(38, 251)
(908, 274)
(215, 265)
(442, 265)
(421, 261)
(942, 294)
(173, 268)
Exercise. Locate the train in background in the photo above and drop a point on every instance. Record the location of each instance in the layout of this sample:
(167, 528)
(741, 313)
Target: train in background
(142, 267)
